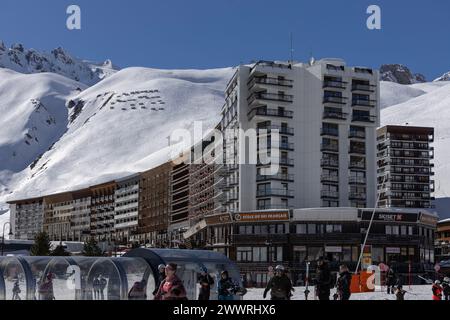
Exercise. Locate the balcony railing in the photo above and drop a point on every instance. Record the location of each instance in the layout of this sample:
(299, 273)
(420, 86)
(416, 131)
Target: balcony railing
(329, 178)
(270, 96)
(281, 129)
(363, 102)
(329, 194)
(329, 132)
(329, 163)
(334, 84)
(357, 150)
(363, 118)
(286, 161)
(270, 81)
(357, 165)
(357, 134)
(278, 176)
(356, 180)
(362, 87)
(329, 147)
(270, 113)
(282, 146)
(273, 206)
(357, 196)
(334, 115)
(334, 99)
(275, 193)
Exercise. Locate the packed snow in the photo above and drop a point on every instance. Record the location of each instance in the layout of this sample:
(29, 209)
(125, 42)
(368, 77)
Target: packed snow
(417, 292)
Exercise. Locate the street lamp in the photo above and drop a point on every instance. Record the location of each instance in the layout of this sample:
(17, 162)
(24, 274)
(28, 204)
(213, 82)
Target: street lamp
(3, 235)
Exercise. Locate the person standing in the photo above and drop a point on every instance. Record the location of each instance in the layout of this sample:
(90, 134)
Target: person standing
(160, 277)
(46, 288)
(280, 286)
(225, 287)
(206, 281)
(344, 283)
(138, 291)
(437, 290)
(96, 288)
(400, 293)
(102, 286)
(323, 280)
(446, 288)
(16, 290)
(171, 288)
(391, 280)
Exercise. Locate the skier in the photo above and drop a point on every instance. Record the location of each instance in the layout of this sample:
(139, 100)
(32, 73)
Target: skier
(138, 291)
(226, 287)
(437, 290)
(46, 288)
(206, 281)
(171, 288)
(391, 280)
(344, 282)
(161, 276)
(323, 280)
(446, 288)
(400, 293)
(16, 290)
(280, 286)
(102, 286)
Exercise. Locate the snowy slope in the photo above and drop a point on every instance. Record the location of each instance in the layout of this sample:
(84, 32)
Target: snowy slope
(121, 124)
(430, 109)
(58, 61)
(393, 93)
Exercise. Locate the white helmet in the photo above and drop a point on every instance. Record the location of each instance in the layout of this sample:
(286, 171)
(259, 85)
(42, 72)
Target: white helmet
(279, 268)
(437, 282)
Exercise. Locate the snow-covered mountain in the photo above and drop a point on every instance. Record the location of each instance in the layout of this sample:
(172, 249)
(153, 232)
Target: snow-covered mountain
(118, 126)
(444, 77)
(58, 61)
(400, 74)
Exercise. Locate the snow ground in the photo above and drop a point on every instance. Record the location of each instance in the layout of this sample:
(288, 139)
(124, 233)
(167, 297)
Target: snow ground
(419, 292)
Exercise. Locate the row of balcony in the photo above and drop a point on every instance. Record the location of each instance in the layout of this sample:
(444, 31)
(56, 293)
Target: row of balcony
(270, 112)
(270, 192)
(269, 81)
(335, 195)
(278, 176)
(353, 134)
(343, 85)
(281, 129)
(335, 179)
(265, 96)
(339, 115)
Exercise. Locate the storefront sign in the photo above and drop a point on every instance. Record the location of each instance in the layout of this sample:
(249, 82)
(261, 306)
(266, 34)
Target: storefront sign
(261, 216)
(428, 220)
(333, 249)
(218, 219)
(392, 250)
(389, 217)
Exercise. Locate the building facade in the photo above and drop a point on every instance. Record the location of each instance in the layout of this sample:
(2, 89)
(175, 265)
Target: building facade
(326, 114)
(442, 245)
(27, 218)
(405, 167)
(102, 211)
(126, 208)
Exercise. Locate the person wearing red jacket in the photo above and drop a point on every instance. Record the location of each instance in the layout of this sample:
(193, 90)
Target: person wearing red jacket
(171, 288)
(437, 290)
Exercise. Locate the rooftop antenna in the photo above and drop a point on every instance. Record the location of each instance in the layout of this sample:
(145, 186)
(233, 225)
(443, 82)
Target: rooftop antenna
(292, 50)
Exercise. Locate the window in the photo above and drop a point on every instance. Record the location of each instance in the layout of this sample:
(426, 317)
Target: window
(388, 229)
(280, 228)
(259, 254)
(301, 228)
(403, 230)
(311, 228)
(244, 254)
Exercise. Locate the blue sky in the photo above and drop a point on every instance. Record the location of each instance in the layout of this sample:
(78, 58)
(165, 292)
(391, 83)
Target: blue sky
(217, 33)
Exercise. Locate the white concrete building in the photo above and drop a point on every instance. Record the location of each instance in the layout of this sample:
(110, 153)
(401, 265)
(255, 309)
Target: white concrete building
(126, 207)
(326, 113)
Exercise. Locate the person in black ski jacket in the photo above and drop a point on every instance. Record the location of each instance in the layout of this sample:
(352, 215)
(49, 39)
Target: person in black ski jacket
(446, 288)
(344, 283)
(400, 293)
(206, 281)
(226, 287)
(280, 286)
(160, 277)
(138, 291)
(391, 280)
(323, 280)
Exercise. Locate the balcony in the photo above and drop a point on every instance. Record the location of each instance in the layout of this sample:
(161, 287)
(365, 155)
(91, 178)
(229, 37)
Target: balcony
(329, 147)
(356, 180)
(286, 161)
(270, 113)
(281, 129)
(334, 99)
(334, 84)
(329, 132)
(273, 206)
(269, 192)
(329, 194)
(353, 134)
(363, 118)
(362, 87)
(338, 115)
(357, 196)
(269, 97)
(333, 163)
(278, 177)
(329, 178)
(357, 165)
(282, 146)
(363, 103)
(357, 150)
(269, 81)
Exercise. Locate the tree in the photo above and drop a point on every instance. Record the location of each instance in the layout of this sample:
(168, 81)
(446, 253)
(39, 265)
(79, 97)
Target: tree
(41, 246)
(60, 251)
(91, 249)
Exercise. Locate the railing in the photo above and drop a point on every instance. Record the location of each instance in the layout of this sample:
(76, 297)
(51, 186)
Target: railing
(363, 118)
(329, 163)
(278, 176)
(281, 129)
(270, 113)
(329, 132)
(329, 147)
(357, 180)
(334, 115)
(357, 165)
(363, 102)
(357, 150)
(333, 99)
(329, 194)
(274, 192)
(357, 196)
(270, 96)
(286, 161)
(334, 84)
(273, 206)
(362, 87)
(357, 134)
(270, 81)
(329, 178)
